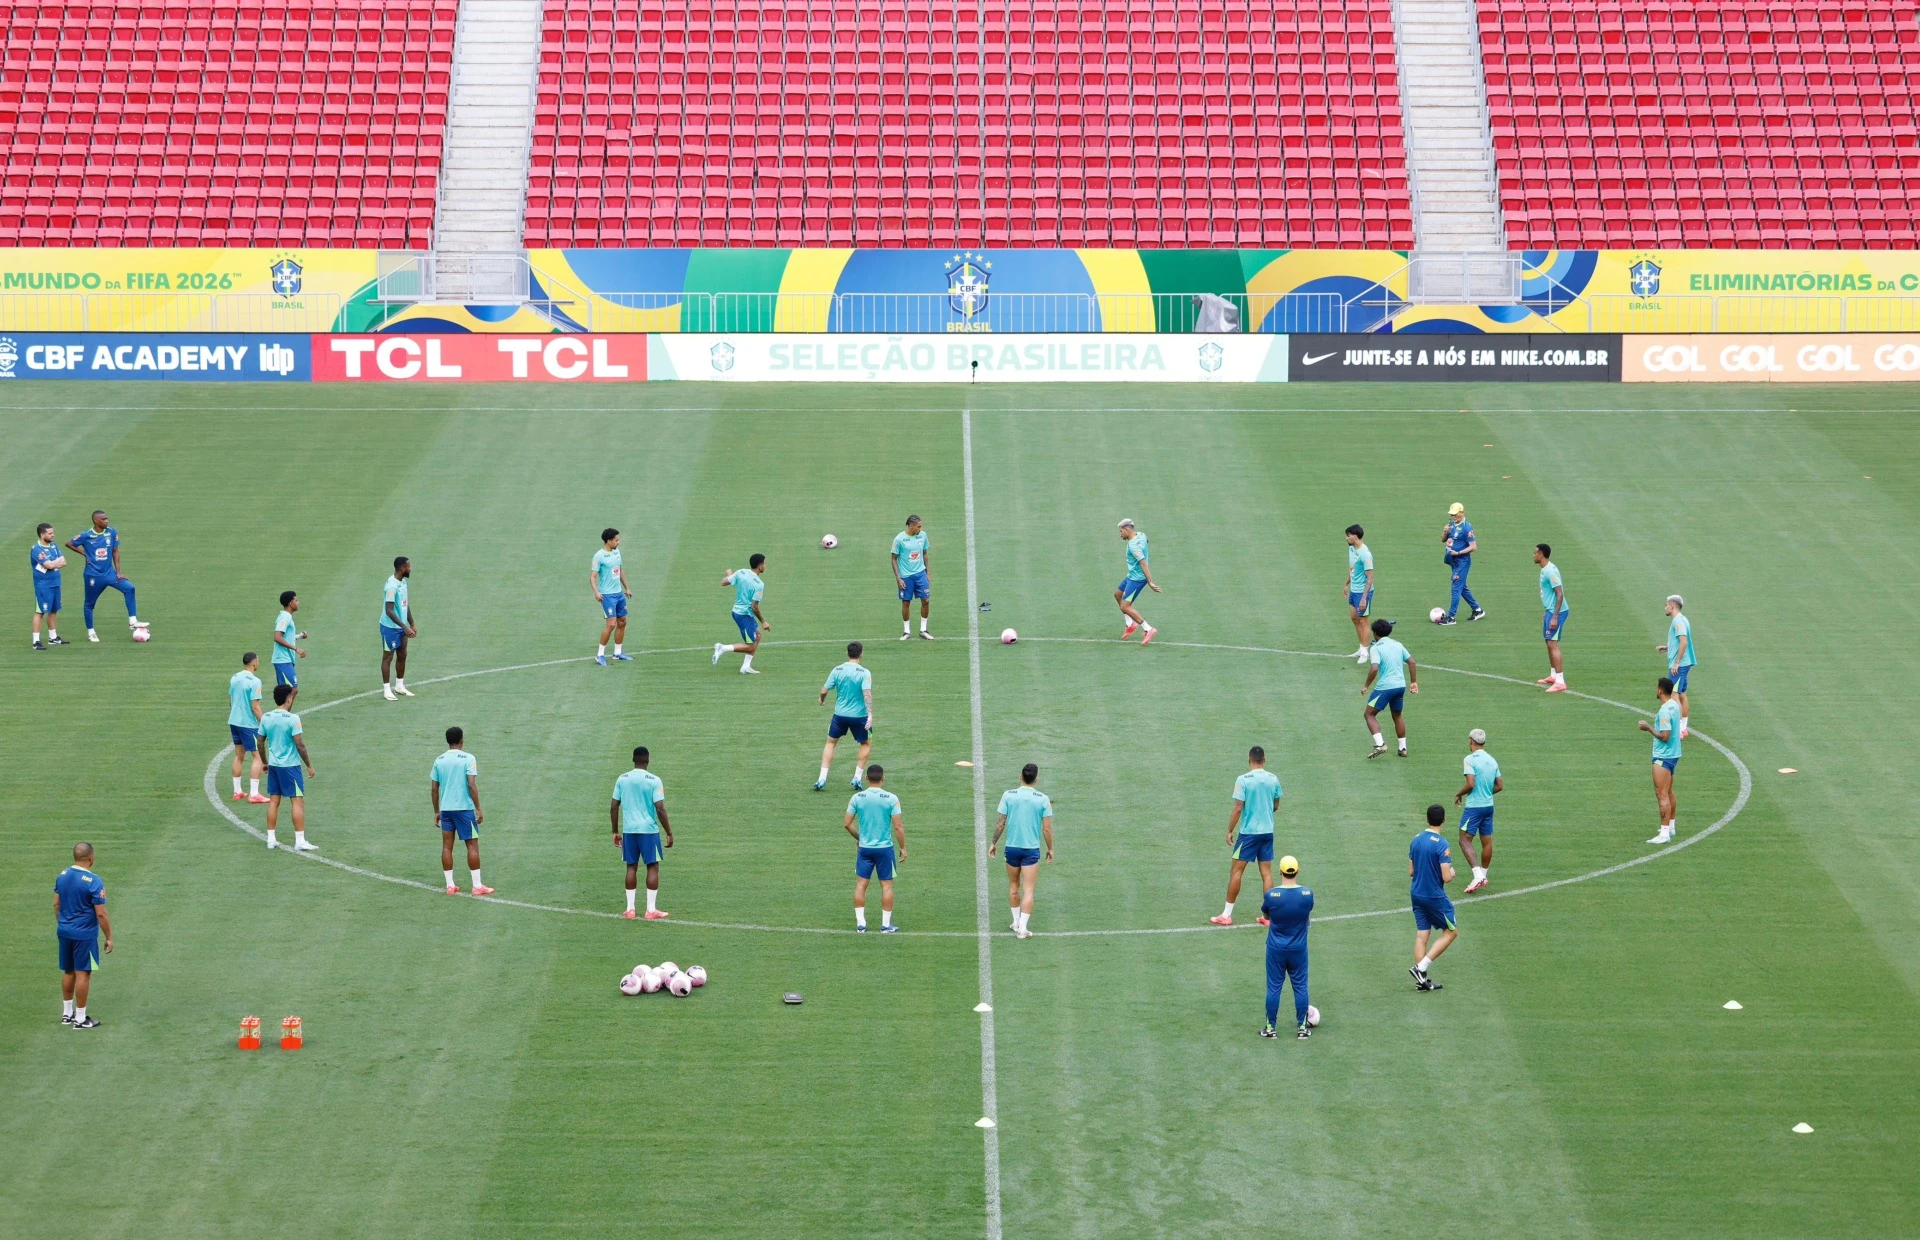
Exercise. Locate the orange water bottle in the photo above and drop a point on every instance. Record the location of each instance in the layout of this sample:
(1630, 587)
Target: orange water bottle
(290, 1033)
(249, 1033)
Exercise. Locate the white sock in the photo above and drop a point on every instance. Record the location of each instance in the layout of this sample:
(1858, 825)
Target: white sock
(1560, 678)
(860, 916)
(1478, 873)
(1023, 920)
(618, 647)
(53, 633)
(399, 682)
(1227, 911)
(299, 838)
(1424, 962)
(91, 633)
(603, 648)
(449, 874)
(66, 1007)
(270, 840)
(36, 639)
(236, 785)
(477, 880)
(923, 624)
(1379, 741)
(79, 1013)
(629, 899)
(823, 774)
(253, 787)
(653, 900)
(747, 662)
(886, 917)
(1403, 744)
(906, 626)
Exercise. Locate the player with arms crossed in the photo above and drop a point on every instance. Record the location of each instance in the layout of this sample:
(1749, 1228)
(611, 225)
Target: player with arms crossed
(1139, 577)
(1553, 598)
(1287, 910)
(639, 815)
(44, 561)
(396, 630)
(1460, 545)
(85, 933)
(243, 724)
(99, 549)
(1482, 785)
(286, 751)
(1393, 675)
(1250, 829)
(1431, 869)
(455, 787)
(608, 581)
(852, 689)
(748, 589)
(877, 833)
(910, 578)
(1358, 587)
(285, 671)
(1026, 815)
(1679, 652)
(1666, 758)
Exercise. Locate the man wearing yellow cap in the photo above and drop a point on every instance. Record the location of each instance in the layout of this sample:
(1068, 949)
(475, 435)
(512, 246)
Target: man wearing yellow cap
(1287, 908)
(1459, 542)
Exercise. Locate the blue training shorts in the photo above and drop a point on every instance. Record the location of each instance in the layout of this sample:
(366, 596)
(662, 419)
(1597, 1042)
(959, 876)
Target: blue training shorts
(840, 725)
(46, 599)
(246, 738)
(916, 586)
(286, 781)
(1361, 602)
(1433, 914)
(1552, 629)
(1476, 820)
(868, 860)
(285, 674)
(1669, 763)
(459, 822)
(1253, 848)
(1021, 858)
(79, 955)
(392, 638)
(614, 605)
(748, 626)
(1679, 679)
(1387, 699)
(640, 847)
(1130, 587)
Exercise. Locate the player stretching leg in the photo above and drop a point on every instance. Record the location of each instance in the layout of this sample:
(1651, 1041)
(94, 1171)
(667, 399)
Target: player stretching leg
(1287, 910)
(396, 629)
(747, 591)
(286, 751)
(1666, 758)
(852, 689)
(1358, 587)
(1431, 870)
(879, 831)
(455, 784)
(1482, 785)
(1251, 821)
(99, 549)
(285, 671)
(1553, 597)
(608, 581)
(243, 724)
(80, 913)
(639, 814)
(1460, 545)
(910, 576)
(1392, 676)
(1679, 652)
(1026, 815)
(45, 562)
(1139, 576)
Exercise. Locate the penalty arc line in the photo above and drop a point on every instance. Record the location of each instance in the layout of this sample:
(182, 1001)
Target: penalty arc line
(1740, 802)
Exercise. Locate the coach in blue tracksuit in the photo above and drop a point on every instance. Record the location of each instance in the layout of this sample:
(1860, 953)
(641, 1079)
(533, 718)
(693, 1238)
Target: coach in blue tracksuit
(99, 548)
(1287, 908)
(1458, 540)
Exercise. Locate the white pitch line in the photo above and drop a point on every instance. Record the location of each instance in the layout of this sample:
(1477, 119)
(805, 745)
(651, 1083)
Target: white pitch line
(982, 899)
(1740, 802)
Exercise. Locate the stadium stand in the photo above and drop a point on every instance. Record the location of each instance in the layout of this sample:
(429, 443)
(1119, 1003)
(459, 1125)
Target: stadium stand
(935, 123)
(223, 122)
(1746, 123)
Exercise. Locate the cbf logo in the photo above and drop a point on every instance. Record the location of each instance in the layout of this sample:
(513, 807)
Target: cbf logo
(9, 356)
(1211, 355)
(722, 357)
(967, 276)
(286, 277)
(1644, 278)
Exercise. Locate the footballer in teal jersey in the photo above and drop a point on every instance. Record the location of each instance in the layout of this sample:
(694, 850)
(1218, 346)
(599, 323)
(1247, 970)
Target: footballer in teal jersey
(1392, 676)
(1357, 588)
(243, 724)
(747, 617)
(852, 687)
(608, 581)
(873, 820)
(1680, 653)
(285, 636)
(1139, 577)
(1553, 601)
(286, 750)
(454, 786)
(909, 559)
(640, 829)
(1666, 757)
(397, 628)
(1250, 829)
(1026, 815)
(1482, 784)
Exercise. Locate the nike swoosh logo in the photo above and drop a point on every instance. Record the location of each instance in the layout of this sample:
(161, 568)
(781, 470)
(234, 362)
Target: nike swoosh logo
(1308, 359)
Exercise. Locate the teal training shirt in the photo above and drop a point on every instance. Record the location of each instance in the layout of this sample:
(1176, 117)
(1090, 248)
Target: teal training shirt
(1256, 791)
(1026, 808)
(874, 810)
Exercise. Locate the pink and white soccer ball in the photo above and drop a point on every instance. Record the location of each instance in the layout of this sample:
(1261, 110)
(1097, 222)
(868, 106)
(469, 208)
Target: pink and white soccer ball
(142, 635)
(1008, 637)
(667, 969)
(697, 975)
(829, 542)
(1313, 1017)
(1437, 614)
(650, 982)
(630, 985)
(680, 985)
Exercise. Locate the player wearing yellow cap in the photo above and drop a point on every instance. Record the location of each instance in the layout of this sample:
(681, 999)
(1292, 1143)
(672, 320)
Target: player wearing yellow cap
(1287, 909)
(1458, 540)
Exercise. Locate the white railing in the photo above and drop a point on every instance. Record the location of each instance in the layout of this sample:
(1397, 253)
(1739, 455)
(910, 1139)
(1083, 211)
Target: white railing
(168, 312)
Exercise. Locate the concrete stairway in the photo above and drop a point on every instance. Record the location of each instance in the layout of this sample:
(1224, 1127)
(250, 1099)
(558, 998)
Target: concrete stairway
(483, 171)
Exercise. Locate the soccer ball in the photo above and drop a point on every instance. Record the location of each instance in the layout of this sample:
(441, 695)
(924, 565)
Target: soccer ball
(630, 985)
(650, 982)
(829, 543)
(680, 985)
(667, 969)
(1313, 1017)
(141, 635)
(696, 975)
(1437, 614)
(1008, 637)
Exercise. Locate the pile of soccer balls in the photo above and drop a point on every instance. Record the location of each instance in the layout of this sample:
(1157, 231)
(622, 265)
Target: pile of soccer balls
(649, 980)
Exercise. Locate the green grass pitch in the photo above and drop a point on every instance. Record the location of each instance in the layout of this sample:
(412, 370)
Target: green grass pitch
(471, 1068)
